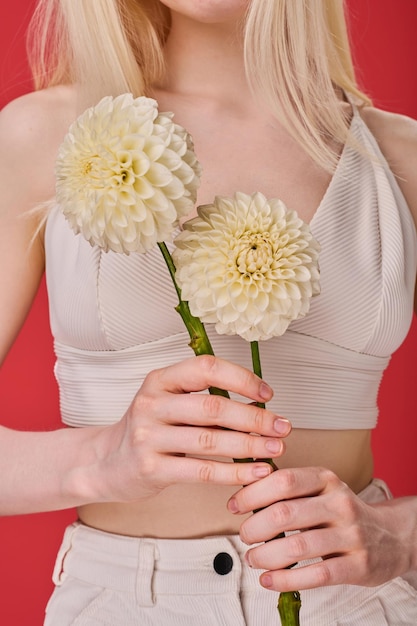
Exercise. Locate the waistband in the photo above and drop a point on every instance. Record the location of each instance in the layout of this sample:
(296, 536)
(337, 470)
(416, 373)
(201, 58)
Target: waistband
(147, 567)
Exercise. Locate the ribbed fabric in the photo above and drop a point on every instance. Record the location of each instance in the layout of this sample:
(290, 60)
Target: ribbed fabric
(309, 394)
(113, 316)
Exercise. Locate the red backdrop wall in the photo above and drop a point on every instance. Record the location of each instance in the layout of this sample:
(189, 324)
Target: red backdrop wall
(386, 53)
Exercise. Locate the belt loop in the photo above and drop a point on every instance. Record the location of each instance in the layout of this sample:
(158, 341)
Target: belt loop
(145, 571)
(58, 574)
(382, 485)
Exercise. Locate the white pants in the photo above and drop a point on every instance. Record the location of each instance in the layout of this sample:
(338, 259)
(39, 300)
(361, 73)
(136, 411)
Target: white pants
(104, 579)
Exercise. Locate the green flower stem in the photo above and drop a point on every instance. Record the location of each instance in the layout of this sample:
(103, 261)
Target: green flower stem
(289, 605)
(199, 341)
(256, 364)
(289, 602)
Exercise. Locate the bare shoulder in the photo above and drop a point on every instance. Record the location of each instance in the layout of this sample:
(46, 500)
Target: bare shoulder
(31, 130)
(38, 112)
(397, 137)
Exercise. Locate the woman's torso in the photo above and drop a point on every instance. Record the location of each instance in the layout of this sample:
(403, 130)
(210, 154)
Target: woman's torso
(261, 158)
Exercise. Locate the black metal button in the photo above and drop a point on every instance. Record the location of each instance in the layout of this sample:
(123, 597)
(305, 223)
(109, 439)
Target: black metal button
(223, 563)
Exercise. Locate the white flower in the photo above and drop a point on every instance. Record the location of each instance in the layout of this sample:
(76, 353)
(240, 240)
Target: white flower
(247, 265)
(126, 174)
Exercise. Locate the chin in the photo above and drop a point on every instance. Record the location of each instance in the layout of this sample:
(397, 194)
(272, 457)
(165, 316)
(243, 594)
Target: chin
(208, 11)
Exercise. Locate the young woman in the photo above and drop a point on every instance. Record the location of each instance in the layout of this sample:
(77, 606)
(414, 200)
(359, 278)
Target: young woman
(266, 89)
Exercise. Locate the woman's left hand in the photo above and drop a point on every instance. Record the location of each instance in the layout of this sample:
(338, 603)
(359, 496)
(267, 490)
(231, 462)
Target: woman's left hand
(359, 543)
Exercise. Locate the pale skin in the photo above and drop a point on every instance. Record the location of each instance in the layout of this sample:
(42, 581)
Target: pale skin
(125, 477)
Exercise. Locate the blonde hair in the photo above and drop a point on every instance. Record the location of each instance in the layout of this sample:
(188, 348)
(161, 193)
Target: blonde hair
(296, 53)
(108, 47)
(303, 71)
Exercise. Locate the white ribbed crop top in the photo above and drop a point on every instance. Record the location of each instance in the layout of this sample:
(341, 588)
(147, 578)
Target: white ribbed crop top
(113, 318)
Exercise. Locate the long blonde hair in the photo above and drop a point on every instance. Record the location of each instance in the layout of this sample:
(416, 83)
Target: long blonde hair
(296, 54)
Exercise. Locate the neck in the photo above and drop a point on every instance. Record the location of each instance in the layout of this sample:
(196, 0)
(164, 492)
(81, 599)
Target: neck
(205, 60)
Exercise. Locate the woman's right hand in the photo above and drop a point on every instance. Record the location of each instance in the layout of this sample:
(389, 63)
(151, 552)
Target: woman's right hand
(167, 428)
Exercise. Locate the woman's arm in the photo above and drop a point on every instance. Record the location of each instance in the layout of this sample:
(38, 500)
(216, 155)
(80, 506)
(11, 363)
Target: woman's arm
(144, 452)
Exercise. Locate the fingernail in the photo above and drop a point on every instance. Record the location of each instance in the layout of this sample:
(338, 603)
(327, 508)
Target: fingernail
(265, 391)
(260, 471)
(266, 581)
(282, 425)
(247, 558)
(232, 505)
(273, 445)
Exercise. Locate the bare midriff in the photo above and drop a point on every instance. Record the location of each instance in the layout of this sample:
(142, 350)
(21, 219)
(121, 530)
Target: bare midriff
(195, 510)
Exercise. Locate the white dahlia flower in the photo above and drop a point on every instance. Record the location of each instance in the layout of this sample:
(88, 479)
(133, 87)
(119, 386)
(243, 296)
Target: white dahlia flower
(125, 174)
(247, 265)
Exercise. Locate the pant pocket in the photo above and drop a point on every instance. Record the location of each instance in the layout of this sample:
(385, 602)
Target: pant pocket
(71, 600)
(394, 604)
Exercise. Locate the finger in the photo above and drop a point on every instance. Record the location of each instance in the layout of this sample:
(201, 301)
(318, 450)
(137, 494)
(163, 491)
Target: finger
(284, 484)
(334, 571)
(202, 372)
(211, 410)
(217, 442)
(281, 553)
(289, 515)
(171, 470)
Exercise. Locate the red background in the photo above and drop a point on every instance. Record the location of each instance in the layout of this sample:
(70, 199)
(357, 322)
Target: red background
(386, 53)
